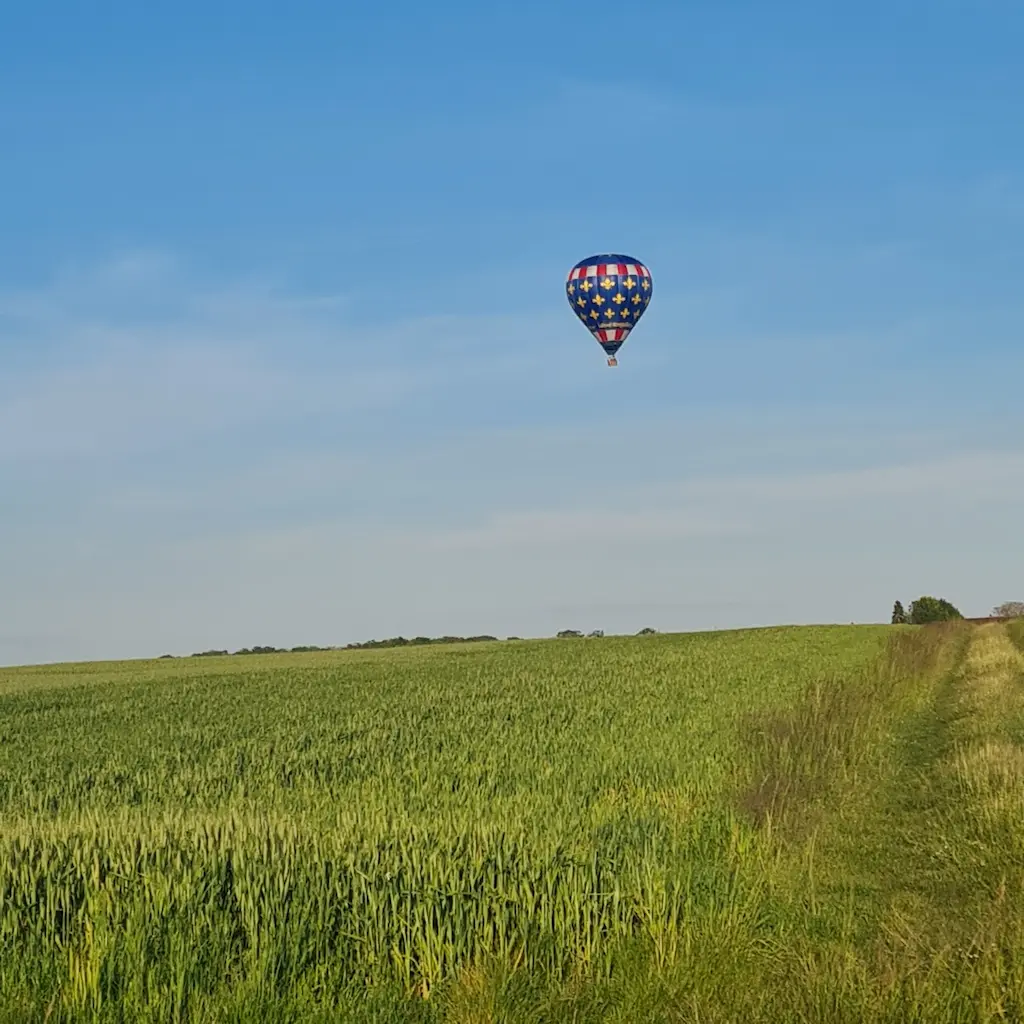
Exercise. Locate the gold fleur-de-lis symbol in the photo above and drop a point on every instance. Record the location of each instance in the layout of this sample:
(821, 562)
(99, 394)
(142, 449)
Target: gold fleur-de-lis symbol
(619, 298)
(645, 284)
(607, 283)
(636, 299)
(593, 314)
(581, 302)
(585, 285)
(572, 287)
(598, 301)
(629, 283)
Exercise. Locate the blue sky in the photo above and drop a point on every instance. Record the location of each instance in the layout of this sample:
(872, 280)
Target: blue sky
(286, 356)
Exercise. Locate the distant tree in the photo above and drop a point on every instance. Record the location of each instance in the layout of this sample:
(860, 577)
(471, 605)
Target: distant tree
(566, 634)
(932, 609)
(646, 631)
(416, 641)
(596, 633)
(899, 616)
(1009, 610)
(513, 638)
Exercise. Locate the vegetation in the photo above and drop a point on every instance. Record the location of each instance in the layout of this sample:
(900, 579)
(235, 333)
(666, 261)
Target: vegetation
(1016, 632)
(931, 609)
(1009, 610)
(923, 611)
(395, 641)
(819, 823)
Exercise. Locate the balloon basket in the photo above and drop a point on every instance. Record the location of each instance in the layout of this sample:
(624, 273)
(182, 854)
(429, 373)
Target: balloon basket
(612, 361)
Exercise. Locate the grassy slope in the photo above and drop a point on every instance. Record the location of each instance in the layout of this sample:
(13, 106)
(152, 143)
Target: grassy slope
(786, 833)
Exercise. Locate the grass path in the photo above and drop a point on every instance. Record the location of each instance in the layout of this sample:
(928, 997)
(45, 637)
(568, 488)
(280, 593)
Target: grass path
(918, 877)
(946, 826)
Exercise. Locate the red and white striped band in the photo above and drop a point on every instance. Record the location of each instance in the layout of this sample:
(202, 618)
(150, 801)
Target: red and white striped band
(612, 333)
(602, 269)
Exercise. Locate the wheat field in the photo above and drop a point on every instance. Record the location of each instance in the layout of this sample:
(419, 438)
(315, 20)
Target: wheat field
(812, 823)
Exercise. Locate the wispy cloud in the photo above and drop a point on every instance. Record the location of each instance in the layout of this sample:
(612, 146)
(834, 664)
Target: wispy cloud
(746, 504)
(131, 356)
(129, 397)
(587, 526)
(239, 465)
(136, 355)
(979, 475)
(708, 550)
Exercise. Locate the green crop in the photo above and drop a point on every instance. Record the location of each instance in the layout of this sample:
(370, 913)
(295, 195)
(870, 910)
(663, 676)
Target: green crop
(217, 838)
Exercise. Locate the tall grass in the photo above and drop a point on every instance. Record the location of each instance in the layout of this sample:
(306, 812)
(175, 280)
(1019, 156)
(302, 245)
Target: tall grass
(1015, 628)
(822, 744)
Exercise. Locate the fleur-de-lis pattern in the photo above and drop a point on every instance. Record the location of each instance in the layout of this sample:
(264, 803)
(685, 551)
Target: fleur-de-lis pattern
(609, 293)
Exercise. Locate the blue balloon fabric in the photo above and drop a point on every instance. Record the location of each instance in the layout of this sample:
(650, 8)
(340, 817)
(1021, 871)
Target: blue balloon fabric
(609, 293)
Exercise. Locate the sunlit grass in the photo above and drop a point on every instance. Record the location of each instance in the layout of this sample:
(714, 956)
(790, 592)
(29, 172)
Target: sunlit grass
(759, 825)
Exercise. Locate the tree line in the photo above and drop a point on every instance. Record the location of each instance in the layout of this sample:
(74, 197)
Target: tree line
(937, 609)
(395, 641)
(922, 611)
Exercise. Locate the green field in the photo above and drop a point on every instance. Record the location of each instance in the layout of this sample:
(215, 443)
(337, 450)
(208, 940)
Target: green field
(800, 824)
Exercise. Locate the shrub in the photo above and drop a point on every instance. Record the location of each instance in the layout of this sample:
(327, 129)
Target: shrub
(932, 609)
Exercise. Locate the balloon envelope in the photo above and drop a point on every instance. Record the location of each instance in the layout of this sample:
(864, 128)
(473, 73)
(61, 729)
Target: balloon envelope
(609, 293)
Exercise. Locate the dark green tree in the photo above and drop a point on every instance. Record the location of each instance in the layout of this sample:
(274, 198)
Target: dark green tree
(899, 616)
(932, 609)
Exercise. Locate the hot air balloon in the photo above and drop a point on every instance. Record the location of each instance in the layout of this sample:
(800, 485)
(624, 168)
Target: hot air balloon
(609, 293)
